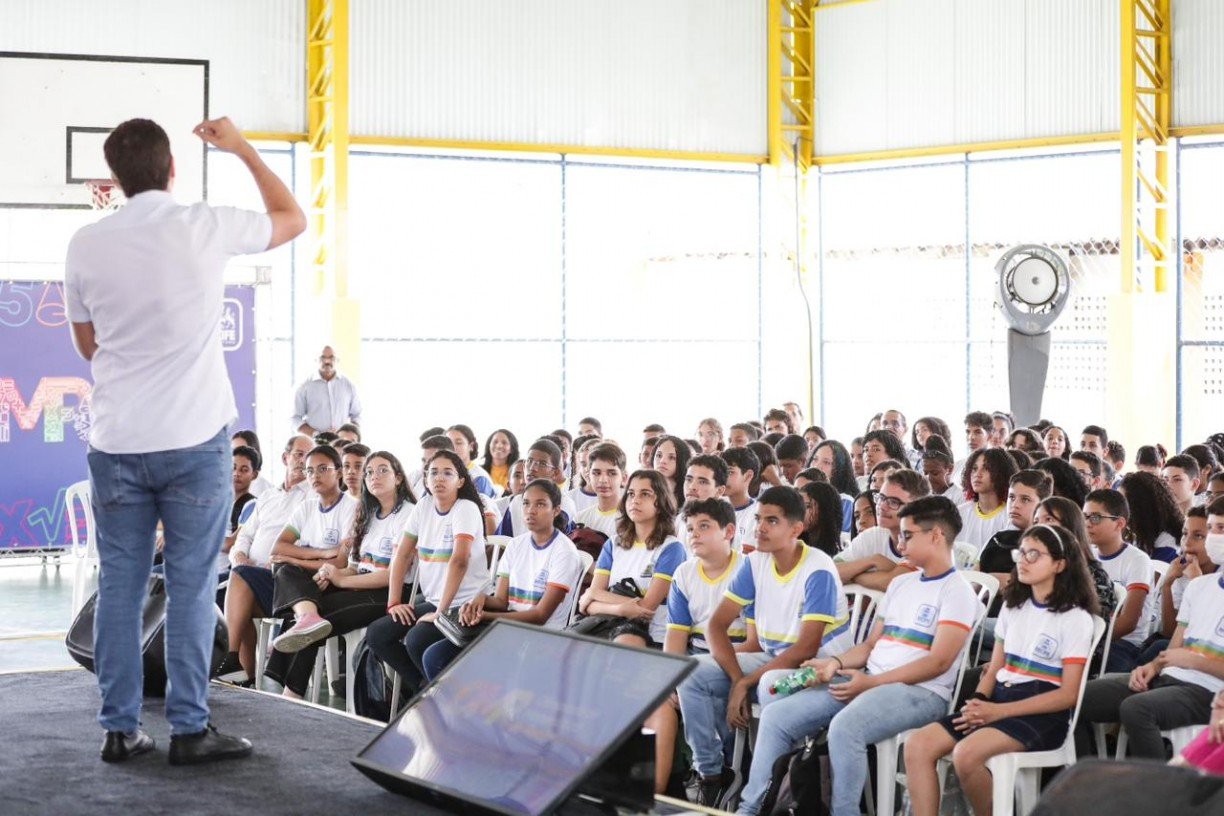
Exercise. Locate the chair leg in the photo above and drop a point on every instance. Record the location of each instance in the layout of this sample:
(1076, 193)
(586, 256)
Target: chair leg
(1099, 732)
(331, 657)
(1122, 740)
(1028, 788)
(316, 678)
(737, 767)
(263, 629)
(351, 641)
(395, 691)
(886, 778)
(1003, 782)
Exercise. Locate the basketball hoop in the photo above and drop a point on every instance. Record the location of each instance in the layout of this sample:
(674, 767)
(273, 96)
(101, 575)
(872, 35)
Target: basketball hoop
(104, 194)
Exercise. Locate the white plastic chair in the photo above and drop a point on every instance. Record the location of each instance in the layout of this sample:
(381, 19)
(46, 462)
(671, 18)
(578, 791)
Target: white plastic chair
(1179, 737)
(862, 603)
(85, 552)
(965, 555)
(586, 561)
(888, 750)
(987, 587)
(329, 658)
(1017, 776)
(499, 544)
(1100, 730)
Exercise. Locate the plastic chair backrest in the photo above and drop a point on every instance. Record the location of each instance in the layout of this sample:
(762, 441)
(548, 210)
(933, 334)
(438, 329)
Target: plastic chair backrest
(965, 555)
(586, 561)
(1098, 629)
(1159, 568)
(1120, 597)
(499, 544)
(964, 658)
(987, 587)
(862, 603)
(79, 492)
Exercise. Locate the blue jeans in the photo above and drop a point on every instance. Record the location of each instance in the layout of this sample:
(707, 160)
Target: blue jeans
(874, 715)
(703, 702)
(1123, 657)
(437, 657)
(189, 490)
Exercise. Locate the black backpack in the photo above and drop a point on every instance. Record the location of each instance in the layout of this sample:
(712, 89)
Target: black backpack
(795, 784)
(371, 686)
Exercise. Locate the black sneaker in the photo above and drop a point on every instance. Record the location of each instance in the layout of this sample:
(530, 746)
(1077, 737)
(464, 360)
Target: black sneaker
(230, 670)
(709, 791)
(206, 746)
(118, 746)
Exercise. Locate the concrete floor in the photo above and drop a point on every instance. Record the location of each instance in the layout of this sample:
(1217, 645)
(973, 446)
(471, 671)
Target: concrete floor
(36, 611)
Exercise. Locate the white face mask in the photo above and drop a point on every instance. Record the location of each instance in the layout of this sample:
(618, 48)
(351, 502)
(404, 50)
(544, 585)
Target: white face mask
(1215, 548)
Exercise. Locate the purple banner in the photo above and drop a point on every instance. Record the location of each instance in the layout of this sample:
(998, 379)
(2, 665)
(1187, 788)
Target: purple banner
(44, 406)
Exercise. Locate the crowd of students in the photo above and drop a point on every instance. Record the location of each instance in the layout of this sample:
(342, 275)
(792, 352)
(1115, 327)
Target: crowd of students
(738, 547)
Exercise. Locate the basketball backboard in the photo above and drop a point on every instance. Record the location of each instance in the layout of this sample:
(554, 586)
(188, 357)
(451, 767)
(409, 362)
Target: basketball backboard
(62, 106)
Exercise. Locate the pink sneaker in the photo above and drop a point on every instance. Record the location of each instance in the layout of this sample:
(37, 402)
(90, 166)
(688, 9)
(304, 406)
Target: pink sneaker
(308, 629)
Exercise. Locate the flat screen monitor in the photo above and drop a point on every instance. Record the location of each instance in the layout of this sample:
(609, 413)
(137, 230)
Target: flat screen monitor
(519, 719)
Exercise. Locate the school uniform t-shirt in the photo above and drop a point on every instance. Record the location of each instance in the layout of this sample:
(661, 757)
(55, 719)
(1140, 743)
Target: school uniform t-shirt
(745, 527)
(377, 547)
(1131, 568)
(602, 520)
(778, 605)
(322, 528)
(582, 499)
(436, 534)
(694, 597)
(977, 527)
(1202, 613)
(1165, 549)
(482, 481)
(642, 566)
(532, 569)
(912, 610)
(1038, 643)
(876, 541)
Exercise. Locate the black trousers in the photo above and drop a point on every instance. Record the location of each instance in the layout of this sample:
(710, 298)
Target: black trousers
(385, 638)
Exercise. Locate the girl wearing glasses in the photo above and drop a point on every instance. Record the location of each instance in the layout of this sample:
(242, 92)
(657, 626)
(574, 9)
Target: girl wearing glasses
(355, 595)
(1023, 701)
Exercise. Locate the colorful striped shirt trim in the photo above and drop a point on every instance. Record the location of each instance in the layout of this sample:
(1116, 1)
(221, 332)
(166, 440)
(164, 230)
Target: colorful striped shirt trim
(525, 596)
(434, 556)
(909, 637)
(1204, 647)
(1031, 668)
(1144, 587)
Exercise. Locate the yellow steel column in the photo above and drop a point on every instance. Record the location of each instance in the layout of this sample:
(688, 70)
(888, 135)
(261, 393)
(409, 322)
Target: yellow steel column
(327, 112)
(1142, 326)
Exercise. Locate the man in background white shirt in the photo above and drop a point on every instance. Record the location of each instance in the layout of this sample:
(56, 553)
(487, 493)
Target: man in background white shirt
(144, 290)
(327, 400)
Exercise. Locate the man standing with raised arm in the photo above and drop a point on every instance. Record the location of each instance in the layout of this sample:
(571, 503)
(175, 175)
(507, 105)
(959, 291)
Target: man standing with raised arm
(144, 292)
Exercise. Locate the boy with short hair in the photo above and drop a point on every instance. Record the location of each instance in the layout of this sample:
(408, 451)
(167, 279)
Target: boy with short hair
(741, 433)
(743, 466)
(795, 609)
(353, 467)
(542, 461)
(1095, 440)
(1105, 515)
(699, 583)
(1090, 469)
(1027, 489)
(590, 426)
(792, 453)
(704, 478)
(978, 425)
(1181, 475)
(778, 421)
(874, 558)
(606, 477)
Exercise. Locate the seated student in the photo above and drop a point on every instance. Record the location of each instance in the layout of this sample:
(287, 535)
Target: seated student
(697, 588)
(518, 479)
(590, 426)
(792, 453)
(319, 532)
(645, 550)
(349, 432)
(565, 441)
(606, 477)
(880, 446)
(938, 465)
(1192, 563)
(1002, 425)
(352, 468)
(247, 463)
(741, 433)
(710, 436)
(987, 475)
(1024, 699)
(1155, 521)
(352, 596)
(670, 458)
(535, 574)
(809, 475)
(543, 462)
(1057, 511)
(445, 529)
(769, 475)
(857, 462)
(1181, 475)
(1175, 689)
(582, 495)
(249, 594)
(1107, 513)
(1091, 469)
(430, 446)
(464, 440)
(247, 437)
(501, 451)
(778, 421)
(706, 478)
(900, 678)
(743, 467)
(1056, 443)
(1026, 491)
(1094, 440)
(646, 453)
(823, 517)
(864, 517)
(1148, 459)
(878, 473)
(813, 435)
(874, 558)
(1025, 439)
(832, 458)
(1115, 456)
(1215, 489)
(795, 610)
(978, 425)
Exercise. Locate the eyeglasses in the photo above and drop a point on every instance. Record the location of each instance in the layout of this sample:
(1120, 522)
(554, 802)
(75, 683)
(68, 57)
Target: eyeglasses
(1097, 518)
(889, 502)
(321, 469)
(443, 474)
(539, 464)
(381, 470)
(1027, 556)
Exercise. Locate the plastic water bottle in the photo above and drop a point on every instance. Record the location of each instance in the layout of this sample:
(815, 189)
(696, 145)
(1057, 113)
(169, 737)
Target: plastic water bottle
(793, 682)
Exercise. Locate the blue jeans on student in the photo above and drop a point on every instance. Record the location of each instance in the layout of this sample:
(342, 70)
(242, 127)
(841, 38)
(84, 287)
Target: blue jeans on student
(437, 657)
(703, 702)
(189, 490)
(1123, 657)
(876, 714)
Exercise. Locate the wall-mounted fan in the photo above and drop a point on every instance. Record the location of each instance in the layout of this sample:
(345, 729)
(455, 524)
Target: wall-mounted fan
(1034, 287)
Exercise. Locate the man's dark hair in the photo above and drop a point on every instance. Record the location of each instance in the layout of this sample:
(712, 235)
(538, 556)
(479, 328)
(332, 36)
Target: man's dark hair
(1116, 452)
(592, 421)
(566, 435)
(1091, 460)
(778, 415)
(1098, 432)
(547, 445)
(327, 451)
(1186, 463)
(248, 438)
(437, 442)
(752, 430)
(787, 499)
(356, 449)
(911, 481)
(812, 475)
(716, 464)
(979, 419)
(744, 459)
(351, 427)
(1112, 500)
(1038, 481)
(251, 455)
(654, 427)
(1216, 507)
(436, 430)
(721, 511)
(792, 446)
(932, 511)
(138, 154)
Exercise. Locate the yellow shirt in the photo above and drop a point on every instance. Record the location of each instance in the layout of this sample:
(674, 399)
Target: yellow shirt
(500, 474)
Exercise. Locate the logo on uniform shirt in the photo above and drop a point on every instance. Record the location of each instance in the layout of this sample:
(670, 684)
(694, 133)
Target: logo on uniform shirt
(331, 537)
(1220, 628)
(648, 573)
(386, 546)
(541, 581)
(1046, 647)
(925, 616)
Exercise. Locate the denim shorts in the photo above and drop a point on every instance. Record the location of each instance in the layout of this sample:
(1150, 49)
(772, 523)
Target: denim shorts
(262, 585)
(1036, 732)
